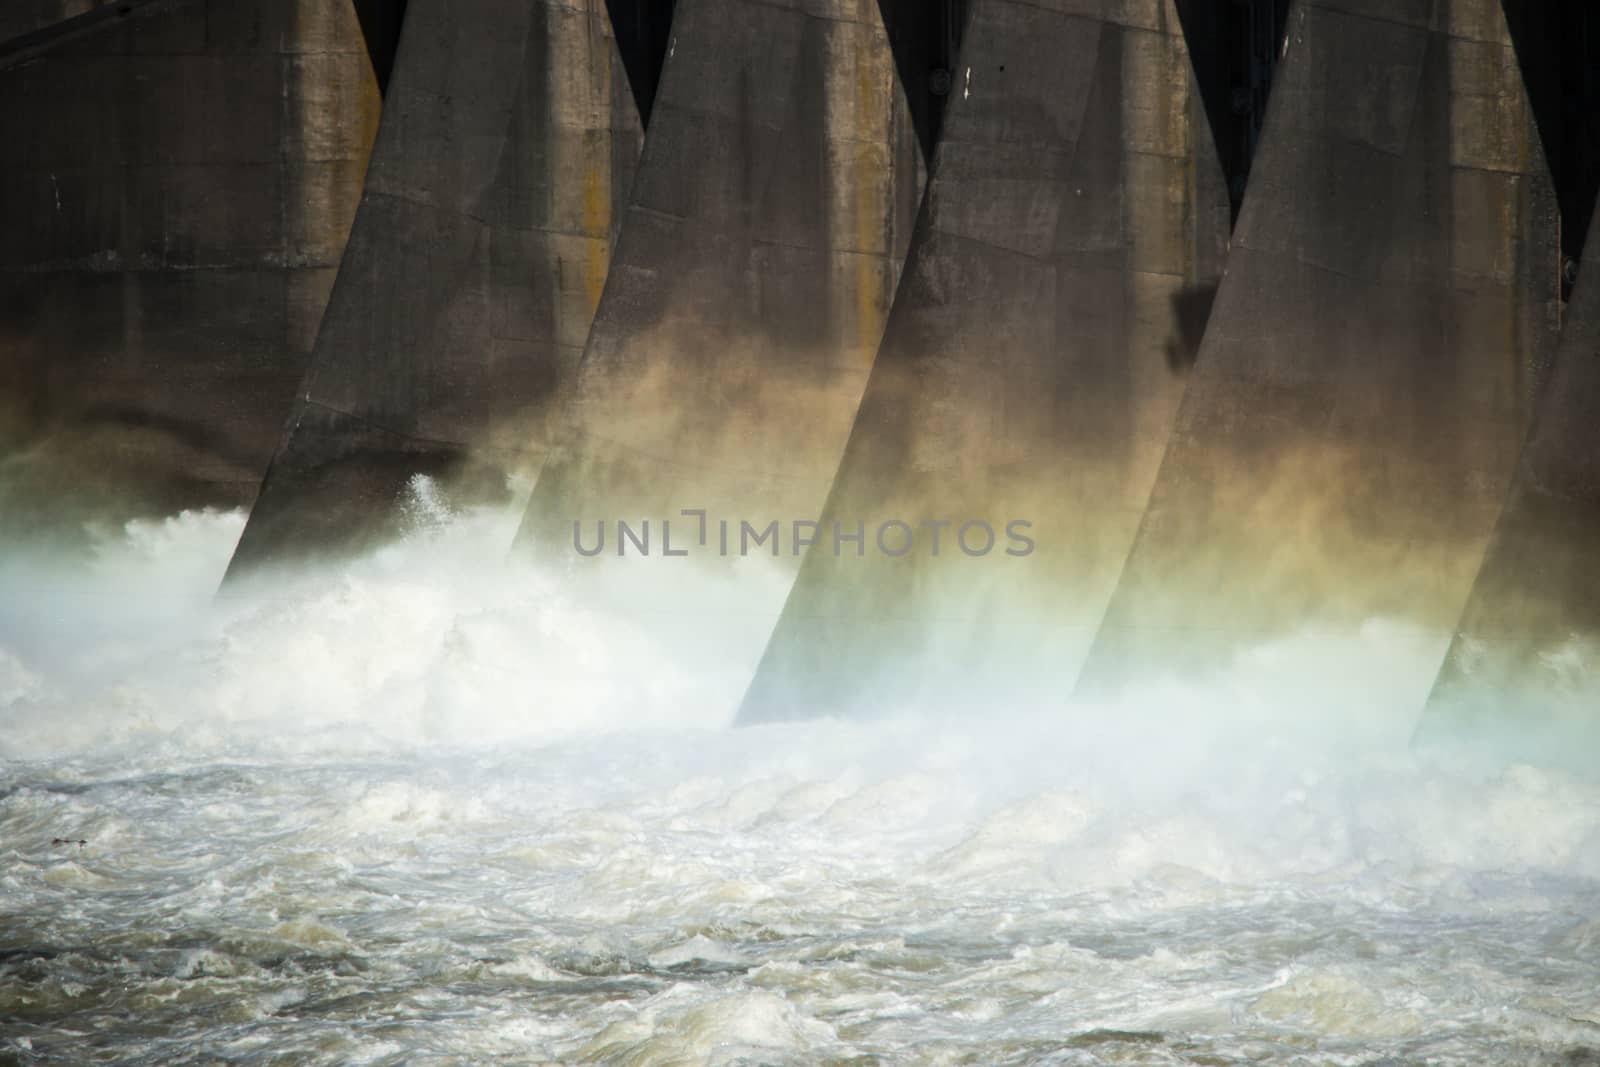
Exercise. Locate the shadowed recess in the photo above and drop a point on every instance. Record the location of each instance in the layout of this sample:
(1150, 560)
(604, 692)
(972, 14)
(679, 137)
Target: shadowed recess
(644, 32)
(1035, 356)
(1236, 46)
(925, 36)
(381, 21)
(1558, 49)
(1371, 363)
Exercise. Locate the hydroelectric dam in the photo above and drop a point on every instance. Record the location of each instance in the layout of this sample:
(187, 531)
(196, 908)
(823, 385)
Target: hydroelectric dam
(800, 531)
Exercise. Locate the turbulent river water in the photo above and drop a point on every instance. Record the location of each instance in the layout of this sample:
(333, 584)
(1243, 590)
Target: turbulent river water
(423, 812)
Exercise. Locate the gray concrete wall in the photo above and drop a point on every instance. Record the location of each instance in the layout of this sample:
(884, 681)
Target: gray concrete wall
(508, 143)
(1520, 680)
(29, 28)
(1368, 373)
(176, 199)
(761, 249)
(27, 16)
(1034, 360)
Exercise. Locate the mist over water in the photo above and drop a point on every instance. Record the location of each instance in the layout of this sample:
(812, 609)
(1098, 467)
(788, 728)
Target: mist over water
(429, 809)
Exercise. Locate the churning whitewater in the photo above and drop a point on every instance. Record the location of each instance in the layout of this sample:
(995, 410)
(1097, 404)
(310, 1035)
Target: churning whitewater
(425, 812)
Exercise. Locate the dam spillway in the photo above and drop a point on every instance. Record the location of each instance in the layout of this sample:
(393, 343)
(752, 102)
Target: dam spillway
(514, 308)
(1247, 310)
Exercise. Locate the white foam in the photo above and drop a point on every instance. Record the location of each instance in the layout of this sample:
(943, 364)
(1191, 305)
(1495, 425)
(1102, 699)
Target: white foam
(434, 765)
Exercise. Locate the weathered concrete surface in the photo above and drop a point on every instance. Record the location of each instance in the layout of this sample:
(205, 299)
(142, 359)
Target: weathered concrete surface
(23, 17)
(1522, 679)
(762, 244)
(1366, 379)
(508, 143)
(175, 201)
(1033, 364)
(30, 28)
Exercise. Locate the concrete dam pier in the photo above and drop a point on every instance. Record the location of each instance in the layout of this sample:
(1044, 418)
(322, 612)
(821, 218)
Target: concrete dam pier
(1032, 366)
(1524, 667)
(759, 256)
(760, 252)
(1389, 307)
(508, 143)
(1243, 313)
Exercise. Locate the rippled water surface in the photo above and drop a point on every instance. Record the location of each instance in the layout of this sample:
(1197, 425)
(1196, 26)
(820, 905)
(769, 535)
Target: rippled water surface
(414, 816)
